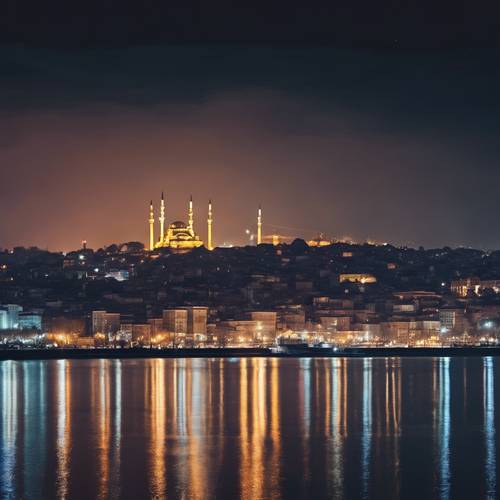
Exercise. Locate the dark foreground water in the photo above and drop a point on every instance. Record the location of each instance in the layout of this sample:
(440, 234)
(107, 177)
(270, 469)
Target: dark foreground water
(250, 428)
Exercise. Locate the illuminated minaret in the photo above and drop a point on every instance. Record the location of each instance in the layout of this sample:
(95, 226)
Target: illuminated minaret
(151, 226)
(209, 221)
(162, 218)
(259, 226)
(190, 215)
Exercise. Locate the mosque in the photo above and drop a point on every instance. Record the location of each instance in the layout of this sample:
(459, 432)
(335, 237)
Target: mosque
(178, 235)
(181, 237)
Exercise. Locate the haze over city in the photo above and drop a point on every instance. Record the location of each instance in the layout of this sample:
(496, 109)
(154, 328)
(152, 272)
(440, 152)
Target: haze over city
(397, 146)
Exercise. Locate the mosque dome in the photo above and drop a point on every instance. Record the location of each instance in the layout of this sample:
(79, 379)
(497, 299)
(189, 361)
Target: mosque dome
(178, 224)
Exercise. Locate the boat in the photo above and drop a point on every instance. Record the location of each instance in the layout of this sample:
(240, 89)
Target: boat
(295, 346)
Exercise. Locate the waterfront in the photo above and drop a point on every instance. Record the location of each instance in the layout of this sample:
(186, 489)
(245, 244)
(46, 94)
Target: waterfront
(250, 428)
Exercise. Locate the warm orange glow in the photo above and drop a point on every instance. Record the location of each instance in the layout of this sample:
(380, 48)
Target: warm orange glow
(357, 278)
(101, 405)
(158, 422)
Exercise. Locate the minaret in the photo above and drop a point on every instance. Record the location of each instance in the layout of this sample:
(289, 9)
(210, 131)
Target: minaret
(259, 226)
(151, 226)
(162, 218)
(209, 221)
(190, 215)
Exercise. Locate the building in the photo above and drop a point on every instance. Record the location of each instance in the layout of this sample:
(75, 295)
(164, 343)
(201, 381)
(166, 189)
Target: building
(237, 333)
(265, 324)
(3, 319)
(333, 324)
(9, 318)
(404, 308)
(357, 278)
(188, 324)
(158, 334)
(410, 332)
(473, 285)
(178, 236)
(451, 320)
(30, 321)
(175, 320)
(175, 324)
(276, 239)
(105, 323)
(196, 324)
(62, 324)
(141, 333)
(292, 320)
(118, 275)
(319, 241)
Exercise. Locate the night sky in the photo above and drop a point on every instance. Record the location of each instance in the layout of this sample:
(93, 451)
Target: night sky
(382, 141)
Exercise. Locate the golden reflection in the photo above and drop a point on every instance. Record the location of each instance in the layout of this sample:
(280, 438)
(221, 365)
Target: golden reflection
(259, 418)
(387, 396)
(117, 428)
(180, 396)
(396, 394)
(335, 398)
(158, 422)
(222, 364)
(274, 463)
(246, 491)
(63, 426)
(257, 477)
(327, 397)
(103, 428)
(275, 416)
(197, 483)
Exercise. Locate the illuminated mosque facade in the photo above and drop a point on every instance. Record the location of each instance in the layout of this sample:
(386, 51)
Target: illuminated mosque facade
(178, 235)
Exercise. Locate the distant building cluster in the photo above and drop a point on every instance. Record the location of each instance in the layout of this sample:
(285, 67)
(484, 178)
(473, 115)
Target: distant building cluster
(16, 324)
(343, 294)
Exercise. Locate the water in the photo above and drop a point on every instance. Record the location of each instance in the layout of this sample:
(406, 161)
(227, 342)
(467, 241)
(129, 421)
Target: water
(250, 428)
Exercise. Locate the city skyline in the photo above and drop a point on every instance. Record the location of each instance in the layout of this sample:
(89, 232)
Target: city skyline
(249, 251)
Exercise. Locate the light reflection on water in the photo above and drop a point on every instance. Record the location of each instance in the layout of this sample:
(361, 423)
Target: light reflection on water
(489, 427)
(367, 424)
(443, 427)
(249, 428)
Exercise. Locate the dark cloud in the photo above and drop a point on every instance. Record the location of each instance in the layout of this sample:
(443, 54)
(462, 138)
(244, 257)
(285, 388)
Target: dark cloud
(357, 23)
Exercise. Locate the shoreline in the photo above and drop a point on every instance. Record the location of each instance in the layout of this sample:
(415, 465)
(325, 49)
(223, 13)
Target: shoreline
(145, 353)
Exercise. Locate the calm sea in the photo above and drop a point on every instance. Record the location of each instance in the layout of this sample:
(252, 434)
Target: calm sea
(250, 428)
